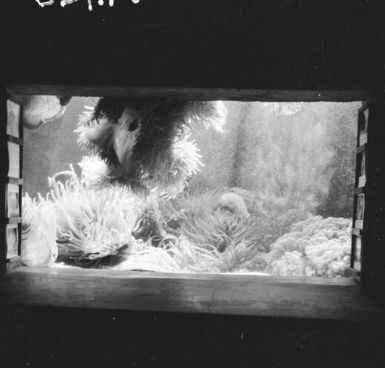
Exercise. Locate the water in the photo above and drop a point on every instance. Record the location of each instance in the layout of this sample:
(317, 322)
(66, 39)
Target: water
(247, 188)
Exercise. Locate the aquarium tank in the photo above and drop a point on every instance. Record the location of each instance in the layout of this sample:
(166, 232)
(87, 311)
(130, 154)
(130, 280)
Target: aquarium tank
(192, 186)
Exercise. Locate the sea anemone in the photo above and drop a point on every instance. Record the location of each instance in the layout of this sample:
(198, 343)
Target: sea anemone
(38, 241)
(144, 142)
(91, 223)
(93, 226)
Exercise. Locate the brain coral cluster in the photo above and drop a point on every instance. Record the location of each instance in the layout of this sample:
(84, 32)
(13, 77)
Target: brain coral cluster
(316, 246)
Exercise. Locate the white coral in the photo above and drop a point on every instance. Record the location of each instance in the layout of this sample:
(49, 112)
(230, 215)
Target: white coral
(38, 245)
(235, 203)
(94, 170)
(314, 247)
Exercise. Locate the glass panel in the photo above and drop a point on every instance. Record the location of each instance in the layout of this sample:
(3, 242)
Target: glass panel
(14, 160)
(244, 187)
(13, 201)
(13, 118)
(360, 211)
(363, 127)
(12, 241)
(362, 169)
(357, 245)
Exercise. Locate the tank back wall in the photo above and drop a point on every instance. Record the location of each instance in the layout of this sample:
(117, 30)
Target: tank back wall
(51, 148)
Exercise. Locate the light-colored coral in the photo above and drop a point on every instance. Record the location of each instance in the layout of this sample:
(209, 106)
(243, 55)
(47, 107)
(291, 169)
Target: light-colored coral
(316, 246)
(38, 245)
(93, 171)
(95, 221)
(235, 203)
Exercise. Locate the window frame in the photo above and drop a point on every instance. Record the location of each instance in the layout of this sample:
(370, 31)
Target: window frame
(207, 293)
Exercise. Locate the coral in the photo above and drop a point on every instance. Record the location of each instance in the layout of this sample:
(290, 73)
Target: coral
(94, 223)
(289, 264)
(316, 246)
(94, 170)
(234, 203)
(38, 242)
(144, 142)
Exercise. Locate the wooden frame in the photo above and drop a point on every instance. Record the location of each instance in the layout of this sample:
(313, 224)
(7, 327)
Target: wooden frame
(223, 294)
(190, 293)
(13, 182)
(192, 93)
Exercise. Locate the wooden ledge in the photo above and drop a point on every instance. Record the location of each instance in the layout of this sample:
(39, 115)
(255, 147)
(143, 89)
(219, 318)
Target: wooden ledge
(190, 293)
